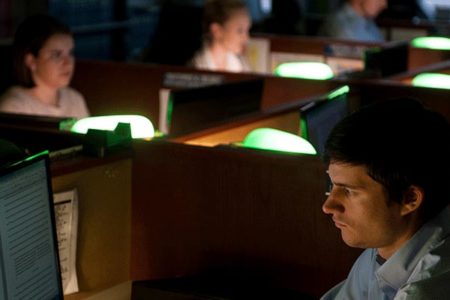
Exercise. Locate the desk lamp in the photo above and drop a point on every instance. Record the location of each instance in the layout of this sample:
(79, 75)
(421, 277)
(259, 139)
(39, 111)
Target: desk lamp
(432, 80)
(305, 70)
(141, 127)
(274, 139)
(431, 42)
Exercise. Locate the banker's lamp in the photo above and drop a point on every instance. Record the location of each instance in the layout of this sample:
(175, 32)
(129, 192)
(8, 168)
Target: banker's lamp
(274, 139)
(432, 80)
(141, 127)
(431, 42)
(305, 70)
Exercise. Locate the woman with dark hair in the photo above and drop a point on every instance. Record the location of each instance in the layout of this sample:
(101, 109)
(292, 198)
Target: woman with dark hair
(226, 25)
(43, 66)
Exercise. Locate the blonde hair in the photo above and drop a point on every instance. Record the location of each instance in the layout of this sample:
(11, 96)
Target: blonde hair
(219, 11)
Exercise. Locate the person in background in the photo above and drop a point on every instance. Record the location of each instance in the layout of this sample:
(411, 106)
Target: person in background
(226, 25)
(43, 65)
(389, 165)
(355, 21)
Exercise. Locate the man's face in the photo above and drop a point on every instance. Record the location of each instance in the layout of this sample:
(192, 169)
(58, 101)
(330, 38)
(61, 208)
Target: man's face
(372, 8)
(360, 208)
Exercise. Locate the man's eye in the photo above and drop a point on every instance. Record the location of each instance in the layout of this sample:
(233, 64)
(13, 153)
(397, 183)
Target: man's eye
(56, 55)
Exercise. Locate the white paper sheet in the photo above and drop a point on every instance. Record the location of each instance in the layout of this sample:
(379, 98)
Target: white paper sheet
(66, 217)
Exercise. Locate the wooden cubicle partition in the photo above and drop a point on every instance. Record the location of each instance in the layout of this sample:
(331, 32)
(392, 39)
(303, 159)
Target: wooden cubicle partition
(340, 54)
(103, 187)
(440, 67)
(104, 218)
(131, 88)
(435, 99)
(316, 45)
(419, 57)
(243, 212)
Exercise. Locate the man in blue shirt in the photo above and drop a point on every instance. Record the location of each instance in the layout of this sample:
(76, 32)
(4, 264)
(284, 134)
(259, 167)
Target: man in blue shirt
(389, 165)
(354, 21)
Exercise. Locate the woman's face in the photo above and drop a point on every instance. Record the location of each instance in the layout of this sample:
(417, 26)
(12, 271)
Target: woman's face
(53, 66)
(233, 34)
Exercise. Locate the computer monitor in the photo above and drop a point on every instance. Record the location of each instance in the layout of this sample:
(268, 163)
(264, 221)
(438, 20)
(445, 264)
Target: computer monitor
(320, 116)
(29, 262)
(190, 110)
(387, 60)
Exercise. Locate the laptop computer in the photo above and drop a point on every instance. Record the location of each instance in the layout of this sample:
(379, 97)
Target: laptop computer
(29, 261)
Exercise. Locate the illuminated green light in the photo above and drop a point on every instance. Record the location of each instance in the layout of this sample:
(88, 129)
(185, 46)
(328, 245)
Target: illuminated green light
(428, 42)
(45, 152)
(273, 139)
(305, 70)
(141, 127)
(340, 91)
(432, 80)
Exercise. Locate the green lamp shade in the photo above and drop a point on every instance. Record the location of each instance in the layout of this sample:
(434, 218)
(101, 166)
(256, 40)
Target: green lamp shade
(273, 139)
(431, 42)
(305, 70)
(141, 127)
(432, 80)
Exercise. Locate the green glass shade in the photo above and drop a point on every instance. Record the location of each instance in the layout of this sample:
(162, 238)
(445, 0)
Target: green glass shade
(141, 127)
(305, 70)
(274, 139)
(430, 42)
(432, 80)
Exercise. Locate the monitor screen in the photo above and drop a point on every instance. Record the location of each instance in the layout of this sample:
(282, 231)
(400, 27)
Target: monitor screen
(190, 110)
(319, 117)
(29, 263)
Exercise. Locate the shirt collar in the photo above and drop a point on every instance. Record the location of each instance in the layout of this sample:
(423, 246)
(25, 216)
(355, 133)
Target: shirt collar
(394, 273)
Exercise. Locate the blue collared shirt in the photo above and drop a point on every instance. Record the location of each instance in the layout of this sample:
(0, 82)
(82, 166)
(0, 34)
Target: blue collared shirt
(420, 269)
(347, 24)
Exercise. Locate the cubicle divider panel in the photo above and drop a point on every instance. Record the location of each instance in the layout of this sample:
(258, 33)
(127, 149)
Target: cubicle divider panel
(245, 213)
(134, 88)
(419, 57)
(131, 88)
(435, 99)
(104, 226)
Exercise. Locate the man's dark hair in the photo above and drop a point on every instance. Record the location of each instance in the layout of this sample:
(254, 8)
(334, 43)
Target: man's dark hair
(30, 37)
(401, 143)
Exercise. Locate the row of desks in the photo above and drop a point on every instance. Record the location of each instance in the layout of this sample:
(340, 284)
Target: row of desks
(175, 208)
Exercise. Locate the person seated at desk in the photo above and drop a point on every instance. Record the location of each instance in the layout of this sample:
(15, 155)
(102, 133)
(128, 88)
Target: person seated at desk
(354, 21)
(226, 25)
(389, 165)
(43, 65)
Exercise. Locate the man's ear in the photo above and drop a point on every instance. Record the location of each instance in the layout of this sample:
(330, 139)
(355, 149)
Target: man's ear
(412, 199)
(30, 61)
